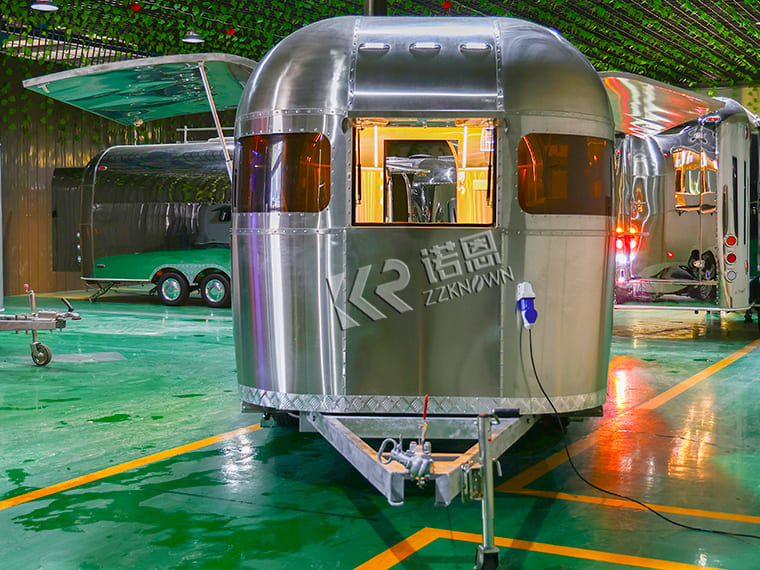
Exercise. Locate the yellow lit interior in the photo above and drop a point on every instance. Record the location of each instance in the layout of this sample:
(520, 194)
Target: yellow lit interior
(474, 204)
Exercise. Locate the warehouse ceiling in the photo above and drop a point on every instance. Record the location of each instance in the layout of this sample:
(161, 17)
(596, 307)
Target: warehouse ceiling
(692, 43)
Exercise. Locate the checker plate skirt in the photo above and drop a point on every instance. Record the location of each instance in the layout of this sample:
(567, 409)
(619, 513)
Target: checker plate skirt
(414, 404)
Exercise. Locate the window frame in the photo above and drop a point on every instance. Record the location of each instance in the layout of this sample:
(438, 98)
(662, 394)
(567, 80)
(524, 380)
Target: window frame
(262, 204)
(356, 188)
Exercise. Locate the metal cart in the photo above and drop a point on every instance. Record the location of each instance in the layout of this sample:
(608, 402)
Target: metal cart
(36, 321)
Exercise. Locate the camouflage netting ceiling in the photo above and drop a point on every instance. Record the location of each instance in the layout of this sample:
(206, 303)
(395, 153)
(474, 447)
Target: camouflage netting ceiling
(693, 43)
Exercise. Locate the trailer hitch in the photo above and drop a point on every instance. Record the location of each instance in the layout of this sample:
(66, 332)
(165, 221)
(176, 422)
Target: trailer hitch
(417, 459)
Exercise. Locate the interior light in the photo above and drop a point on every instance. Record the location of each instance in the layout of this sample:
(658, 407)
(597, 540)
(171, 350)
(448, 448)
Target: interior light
(192, 37)
(43, 6)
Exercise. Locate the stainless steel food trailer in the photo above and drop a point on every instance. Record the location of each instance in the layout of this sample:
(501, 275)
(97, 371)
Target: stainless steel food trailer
(408, 192)
(156, 214)
(686, 198)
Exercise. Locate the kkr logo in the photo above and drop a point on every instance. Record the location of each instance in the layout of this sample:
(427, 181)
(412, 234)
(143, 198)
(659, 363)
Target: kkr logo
(444, 268)
(386, 291)
(453, 269)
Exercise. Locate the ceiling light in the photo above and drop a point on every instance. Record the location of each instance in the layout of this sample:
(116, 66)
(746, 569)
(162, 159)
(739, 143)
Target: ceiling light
(43, 6)
(192, 37)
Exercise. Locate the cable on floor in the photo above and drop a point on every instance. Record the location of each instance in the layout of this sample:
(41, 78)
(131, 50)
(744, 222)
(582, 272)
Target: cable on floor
(612, 493)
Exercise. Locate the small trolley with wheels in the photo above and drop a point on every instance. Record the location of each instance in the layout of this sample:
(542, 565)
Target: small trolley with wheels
(36, 321)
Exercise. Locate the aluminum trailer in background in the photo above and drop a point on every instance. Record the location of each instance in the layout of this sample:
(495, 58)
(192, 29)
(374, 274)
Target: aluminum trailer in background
(686, 199)
(156, 214)
(408, 192)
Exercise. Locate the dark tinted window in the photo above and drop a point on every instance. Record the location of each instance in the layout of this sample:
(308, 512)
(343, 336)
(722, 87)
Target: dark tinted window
(283, 173)
(564, 174)
(144, 175)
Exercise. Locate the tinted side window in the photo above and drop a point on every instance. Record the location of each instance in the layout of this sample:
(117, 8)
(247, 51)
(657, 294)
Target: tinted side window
(283, 173)
(564, 174)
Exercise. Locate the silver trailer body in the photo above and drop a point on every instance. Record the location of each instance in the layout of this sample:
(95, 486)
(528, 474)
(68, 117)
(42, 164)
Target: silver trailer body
(685, 200)
(395, 180)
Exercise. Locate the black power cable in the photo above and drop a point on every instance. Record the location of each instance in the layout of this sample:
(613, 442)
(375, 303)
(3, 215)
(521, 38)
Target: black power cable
(612, 493)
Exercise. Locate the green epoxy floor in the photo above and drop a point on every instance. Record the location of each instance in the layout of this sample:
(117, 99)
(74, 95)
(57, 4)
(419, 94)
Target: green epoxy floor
(134, 378)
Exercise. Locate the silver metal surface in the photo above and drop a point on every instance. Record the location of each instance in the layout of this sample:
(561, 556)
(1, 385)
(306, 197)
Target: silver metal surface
(447, 471)
(157, 197)
(680, 194)
(486, 469)
(386, 478)
(391, 404)
(644, 107)
(215, 115)
(335, 317)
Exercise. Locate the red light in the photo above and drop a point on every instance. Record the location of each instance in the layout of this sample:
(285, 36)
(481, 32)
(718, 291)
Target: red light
(670, 254)
(633, 242)
(731, 257)
(731, 240)
(619, 243)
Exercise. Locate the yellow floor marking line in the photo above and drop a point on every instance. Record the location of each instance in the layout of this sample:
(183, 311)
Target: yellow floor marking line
(543, 467)
(116, 469)
(402, 550)
(611, 502)
(678, 389)
(424, 537)
(69, 297)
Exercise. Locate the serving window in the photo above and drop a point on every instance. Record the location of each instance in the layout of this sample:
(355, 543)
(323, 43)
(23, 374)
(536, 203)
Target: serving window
(564, 174)
(283, 173)
(695, 180)
(424, 172)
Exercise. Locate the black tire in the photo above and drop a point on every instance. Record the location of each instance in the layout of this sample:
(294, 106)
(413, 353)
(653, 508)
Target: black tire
(215, 290)
(173, 289)
(41, 354)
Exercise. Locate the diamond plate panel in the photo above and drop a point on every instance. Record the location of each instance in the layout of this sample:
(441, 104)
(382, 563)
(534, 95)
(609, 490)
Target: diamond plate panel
(414, 404)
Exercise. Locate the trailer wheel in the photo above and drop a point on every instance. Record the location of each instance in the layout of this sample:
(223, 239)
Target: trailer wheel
(41, 354)
(215, 290)
(173, 289)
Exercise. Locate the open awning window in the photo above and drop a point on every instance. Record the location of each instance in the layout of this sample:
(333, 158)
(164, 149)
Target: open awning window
(135, 91)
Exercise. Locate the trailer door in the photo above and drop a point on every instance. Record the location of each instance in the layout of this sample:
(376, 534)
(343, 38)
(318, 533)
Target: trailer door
(733, 250)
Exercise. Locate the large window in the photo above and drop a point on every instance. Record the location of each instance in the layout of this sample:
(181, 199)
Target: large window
(564, 174)
(424, 172)
(283, 173)
(695, 180)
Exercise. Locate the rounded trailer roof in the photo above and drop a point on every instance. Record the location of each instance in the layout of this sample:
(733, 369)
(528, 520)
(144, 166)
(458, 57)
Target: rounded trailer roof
(405, 66)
